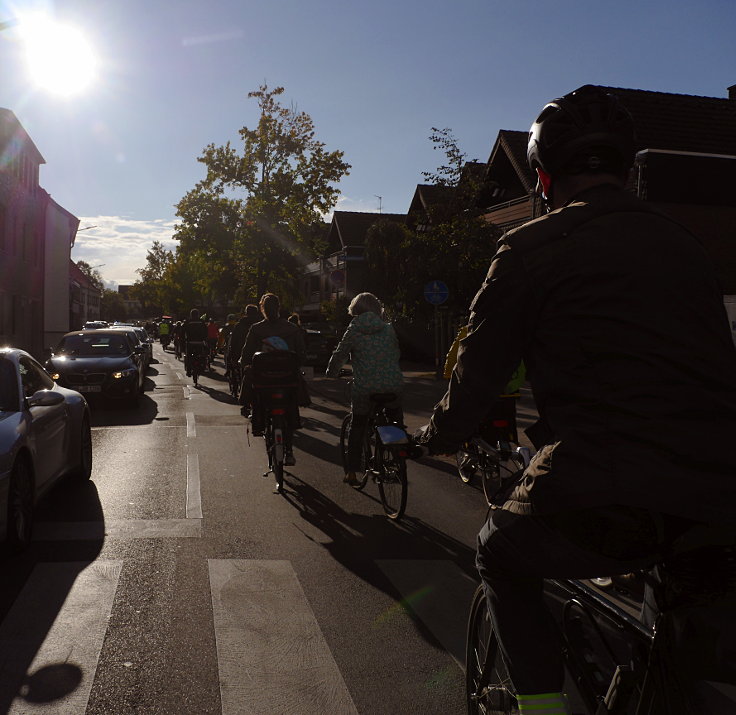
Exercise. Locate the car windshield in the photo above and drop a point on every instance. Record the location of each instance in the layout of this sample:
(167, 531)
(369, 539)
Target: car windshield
(86, 345)
(8, 386)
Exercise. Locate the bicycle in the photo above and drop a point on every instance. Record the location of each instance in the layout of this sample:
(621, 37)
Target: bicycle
(274, 389)
(644, 674)
(197, 363)
(234, 378)
(383, 456)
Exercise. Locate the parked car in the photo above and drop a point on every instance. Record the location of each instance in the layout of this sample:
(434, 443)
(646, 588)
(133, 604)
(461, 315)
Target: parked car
(319, 346)
(94, 325)
(101, 362)
(44, 435)
(138, 337)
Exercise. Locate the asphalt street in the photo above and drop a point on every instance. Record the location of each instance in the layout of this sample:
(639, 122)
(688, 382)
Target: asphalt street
(175, 581)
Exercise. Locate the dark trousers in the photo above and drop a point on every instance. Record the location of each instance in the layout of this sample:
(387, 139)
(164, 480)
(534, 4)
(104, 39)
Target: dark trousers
(357, 436)
(516, 553)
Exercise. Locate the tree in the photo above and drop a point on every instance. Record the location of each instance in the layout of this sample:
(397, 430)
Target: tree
(93, 274)
(150, 288)
(283, 181)
(112, 307)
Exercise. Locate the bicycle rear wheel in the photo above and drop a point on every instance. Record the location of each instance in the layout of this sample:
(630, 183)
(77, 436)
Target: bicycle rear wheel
(392, 484)
(275, 436)
(487, 682)
(361, 474)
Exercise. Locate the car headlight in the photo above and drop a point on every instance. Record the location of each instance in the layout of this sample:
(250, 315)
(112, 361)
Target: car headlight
(125, 373)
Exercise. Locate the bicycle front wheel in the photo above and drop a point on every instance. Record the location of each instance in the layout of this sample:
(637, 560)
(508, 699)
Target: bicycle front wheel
(487, 682)
(392, 484)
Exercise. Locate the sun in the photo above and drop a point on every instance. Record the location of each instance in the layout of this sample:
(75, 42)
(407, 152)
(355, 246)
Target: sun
(60, 60)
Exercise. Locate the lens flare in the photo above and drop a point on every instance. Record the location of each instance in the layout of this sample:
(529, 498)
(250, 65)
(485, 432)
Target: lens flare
(59, 58)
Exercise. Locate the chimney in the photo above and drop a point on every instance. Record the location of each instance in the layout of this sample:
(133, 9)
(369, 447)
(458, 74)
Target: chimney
(732, 91)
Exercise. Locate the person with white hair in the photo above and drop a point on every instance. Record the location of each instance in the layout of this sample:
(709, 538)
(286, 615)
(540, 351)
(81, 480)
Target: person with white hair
(373, 349)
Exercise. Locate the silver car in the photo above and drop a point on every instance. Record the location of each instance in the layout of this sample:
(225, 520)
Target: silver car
(44, 435)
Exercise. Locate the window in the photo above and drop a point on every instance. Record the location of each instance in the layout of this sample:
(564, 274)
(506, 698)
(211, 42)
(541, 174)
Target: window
(8, 386)
(33, 377)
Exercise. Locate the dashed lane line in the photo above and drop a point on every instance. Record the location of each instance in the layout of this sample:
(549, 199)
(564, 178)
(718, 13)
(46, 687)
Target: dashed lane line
(194, 495)
(191, 425)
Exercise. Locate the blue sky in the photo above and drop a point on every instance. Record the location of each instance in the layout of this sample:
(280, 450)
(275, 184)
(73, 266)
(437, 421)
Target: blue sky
(375, 77)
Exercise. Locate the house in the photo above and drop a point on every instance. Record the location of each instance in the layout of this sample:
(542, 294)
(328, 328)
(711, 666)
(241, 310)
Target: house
(685, 164)
(36, 236)
(61, 231)
(339, 274)
(85, 298)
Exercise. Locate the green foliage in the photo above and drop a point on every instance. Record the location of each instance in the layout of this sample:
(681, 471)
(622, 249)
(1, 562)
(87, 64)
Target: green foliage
(452, 243)
(287, 179)
(112, 307)
(92, 273)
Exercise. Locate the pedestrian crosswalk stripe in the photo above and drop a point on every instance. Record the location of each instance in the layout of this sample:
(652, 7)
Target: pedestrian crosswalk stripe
(271, 653)
(56, 625)
(439, 593)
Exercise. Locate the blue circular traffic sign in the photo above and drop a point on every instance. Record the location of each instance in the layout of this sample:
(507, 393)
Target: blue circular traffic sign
(436, 292)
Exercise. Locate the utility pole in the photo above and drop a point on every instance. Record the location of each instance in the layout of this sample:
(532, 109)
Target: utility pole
(380, 202)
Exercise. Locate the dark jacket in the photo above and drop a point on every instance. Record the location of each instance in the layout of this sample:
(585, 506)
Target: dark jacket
(616, 311)
(195, 331)
(240, 332)
(281, 328)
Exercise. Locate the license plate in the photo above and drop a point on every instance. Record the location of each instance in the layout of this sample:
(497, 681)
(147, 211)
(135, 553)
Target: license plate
(89, 388)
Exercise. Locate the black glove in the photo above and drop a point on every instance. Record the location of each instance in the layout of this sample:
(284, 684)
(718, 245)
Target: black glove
(435, 442)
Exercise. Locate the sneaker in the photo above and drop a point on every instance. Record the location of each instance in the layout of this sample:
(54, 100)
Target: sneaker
(289, 460)
(245, 411)
(351, 479)
(278, 489)
(257, 430)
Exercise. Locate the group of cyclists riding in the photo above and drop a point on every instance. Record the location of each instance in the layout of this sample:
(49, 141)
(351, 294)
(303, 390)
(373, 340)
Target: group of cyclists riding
(615, 312)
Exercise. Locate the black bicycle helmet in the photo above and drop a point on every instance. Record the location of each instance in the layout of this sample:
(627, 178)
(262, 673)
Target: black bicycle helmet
(588, 130)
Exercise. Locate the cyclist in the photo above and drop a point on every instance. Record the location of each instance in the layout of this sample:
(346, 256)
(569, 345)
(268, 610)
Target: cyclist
(164, 328)
(618, 316)
(195, 338)
(223, 342)
(273, 332)
(250, 317)
(213, 335)
(178, 338)
(373, 349)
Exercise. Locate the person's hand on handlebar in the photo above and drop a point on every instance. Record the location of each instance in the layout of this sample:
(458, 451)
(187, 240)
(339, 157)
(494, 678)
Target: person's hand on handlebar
(434, 442)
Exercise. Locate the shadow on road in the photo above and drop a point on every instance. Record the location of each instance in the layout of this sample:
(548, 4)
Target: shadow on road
(358, 541)
(28, 615)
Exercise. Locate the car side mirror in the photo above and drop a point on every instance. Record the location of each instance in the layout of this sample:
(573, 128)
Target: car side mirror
(45, 398)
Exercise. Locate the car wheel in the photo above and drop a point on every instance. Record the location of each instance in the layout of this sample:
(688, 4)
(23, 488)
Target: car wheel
(83, 470)
(20, 506)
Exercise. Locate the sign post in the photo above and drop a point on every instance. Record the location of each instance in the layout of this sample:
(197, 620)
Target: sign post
(436, 293)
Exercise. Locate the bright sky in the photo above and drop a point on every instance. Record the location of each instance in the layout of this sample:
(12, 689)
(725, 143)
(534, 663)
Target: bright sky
(171, 76)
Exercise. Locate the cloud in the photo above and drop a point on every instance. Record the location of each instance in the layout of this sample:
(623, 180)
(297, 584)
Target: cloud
(120, 244)
(345, 203)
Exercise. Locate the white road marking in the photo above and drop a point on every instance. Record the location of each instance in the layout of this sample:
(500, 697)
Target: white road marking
(117, 529)
(180, 375)
(191, 426)
(271, 653)
(194, 497)
(54, 631)
(439, 594)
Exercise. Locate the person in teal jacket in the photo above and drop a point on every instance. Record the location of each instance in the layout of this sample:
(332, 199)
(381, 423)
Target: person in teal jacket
(373, 349)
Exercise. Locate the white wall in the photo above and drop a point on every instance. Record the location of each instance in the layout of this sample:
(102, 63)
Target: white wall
(57, 249)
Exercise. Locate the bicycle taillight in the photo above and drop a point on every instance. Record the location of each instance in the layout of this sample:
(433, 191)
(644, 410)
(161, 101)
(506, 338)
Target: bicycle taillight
(278, 411)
